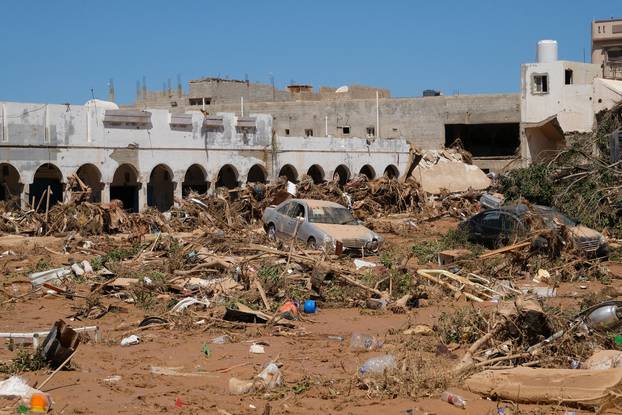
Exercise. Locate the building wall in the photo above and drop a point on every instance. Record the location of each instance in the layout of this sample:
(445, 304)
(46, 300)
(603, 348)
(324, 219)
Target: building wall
(606, 37)
(69, 137)
(571, 103)
(421, 121)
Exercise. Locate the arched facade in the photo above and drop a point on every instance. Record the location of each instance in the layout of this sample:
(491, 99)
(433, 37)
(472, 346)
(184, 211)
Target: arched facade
(10, 187)
(90, 175)
(47, 177)
(195, 180)
(257, 174)
(160, 191)
(289, 172)
(391, 172)
(124, 187)
(227, 177)
(342, 174)
(368, 171)
(316, 172)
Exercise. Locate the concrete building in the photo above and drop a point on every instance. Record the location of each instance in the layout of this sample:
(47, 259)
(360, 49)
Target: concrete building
(607, 47)
(147, 158)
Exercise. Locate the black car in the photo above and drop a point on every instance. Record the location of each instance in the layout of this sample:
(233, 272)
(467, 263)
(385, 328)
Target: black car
(501, 226)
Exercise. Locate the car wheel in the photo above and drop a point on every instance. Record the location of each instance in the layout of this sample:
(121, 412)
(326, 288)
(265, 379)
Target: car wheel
(271, 232)
(312, 243)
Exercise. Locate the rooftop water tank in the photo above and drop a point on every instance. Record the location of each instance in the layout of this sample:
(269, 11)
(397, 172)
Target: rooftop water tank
(546, 51)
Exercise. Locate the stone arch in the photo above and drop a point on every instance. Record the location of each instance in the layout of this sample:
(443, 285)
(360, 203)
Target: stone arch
(161, 188)
(10, 186)
(342, 174)
(368, 171)
(124, 187)
(195, 181)
(316, 172)
(391, 172)
(289, 172)
(257, 174)
(90, 175)
(47, 176)
(227, 177)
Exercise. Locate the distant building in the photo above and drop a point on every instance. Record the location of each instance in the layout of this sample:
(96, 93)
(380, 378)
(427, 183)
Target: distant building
(607, 47)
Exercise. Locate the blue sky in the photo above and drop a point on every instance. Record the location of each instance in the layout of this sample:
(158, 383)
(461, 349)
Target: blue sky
(57, 51)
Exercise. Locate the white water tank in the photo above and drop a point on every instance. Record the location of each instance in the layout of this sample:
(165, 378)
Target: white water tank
(546, 51)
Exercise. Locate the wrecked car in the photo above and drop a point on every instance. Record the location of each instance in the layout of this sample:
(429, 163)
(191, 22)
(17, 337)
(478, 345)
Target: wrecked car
(501, 226)
(321, 225)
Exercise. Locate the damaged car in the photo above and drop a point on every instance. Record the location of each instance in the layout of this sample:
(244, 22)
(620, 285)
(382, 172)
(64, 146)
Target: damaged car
(321, 225)
(504, 225)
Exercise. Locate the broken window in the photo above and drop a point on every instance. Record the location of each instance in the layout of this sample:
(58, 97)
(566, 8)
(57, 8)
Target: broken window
(614, 55)
(568, 76)
(371, 132)
(287, 131)
(308, 132)
(540, 84)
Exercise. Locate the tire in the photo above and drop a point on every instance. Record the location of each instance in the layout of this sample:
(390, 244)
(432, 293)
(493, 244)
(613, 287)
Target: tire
(271, 232)
(311, 243)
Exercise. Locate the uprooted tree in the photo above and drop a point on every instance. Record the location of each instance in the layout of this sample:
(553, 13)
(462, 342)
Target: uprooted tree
(580, 180)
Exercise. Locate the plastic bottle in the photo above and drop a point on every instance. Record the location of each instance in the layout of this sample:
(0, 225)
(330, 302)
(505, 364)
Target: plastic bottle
(364, 343)
(455, 400)
(377, 365)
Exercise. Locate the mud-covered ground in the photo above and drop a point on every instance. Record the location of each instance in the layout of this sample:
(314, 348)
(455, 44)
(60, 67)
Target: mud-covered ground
(319, 370)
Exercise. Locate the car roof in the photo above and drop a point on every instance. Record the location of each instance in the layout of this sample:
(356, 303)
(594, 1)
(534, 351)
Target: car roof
(313, 203)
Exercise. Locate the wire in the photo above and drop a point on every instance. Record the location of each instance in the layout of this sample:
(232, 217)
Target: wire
(24, 112)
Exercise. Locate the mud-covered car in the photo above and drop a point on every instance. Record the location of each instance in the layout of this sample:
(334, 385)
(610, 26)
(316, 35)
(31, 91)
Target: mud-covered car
(504, 225)
(321, 225)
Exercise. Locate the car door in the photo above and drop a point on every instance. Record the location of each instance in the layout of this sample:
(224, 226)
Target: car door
(293, 213)
(510, 228)
(282, 218)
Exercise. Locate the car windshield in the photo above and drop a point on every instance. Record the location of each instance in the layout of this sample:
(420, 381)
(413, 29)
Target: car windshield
(554, 219)
(332, 215)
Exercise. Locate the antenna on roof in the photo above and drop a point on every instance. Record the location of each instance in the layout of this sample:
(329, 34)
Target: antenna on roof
(111, 90)
(137, 90)
(180, 90)
(144, 87)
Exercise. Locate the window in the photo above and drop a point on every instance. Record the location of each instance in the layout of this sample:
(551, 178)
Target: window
(371, 132)
(199, 101)
(614, 55)
(308, 132)
(568, 76)
(296, 211)
(540, 84)
(283, 209)
(346, 130)
(287, 131)
(173, 103)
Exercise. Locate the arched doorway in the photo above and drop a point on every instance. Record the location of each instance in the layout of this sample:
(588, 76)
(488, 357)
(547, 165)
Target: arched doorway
(124, 187)
(227, 177)
(91, 176)
(10, 187)
(316, 172)
(391, 172)
(160, 190)
(47, 176)
(257, 174)
(195, 181)
(342, 174)
(368, 171)
(289, 172)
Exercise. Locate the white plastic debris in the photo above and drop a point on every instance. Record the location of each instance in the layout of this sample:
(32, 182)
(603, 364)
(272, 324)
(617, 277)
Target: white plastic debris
(257, 349)
(187, 302)
(50, 275)
(17, 387)
(359, 263)
(77, 270)
(86, 265)
(130, 340)
(291, 188)
(271, 376)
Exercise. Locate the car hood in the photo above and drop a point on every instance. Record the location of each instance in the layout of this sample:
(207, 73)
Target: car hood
(583, 232)
(340, 232)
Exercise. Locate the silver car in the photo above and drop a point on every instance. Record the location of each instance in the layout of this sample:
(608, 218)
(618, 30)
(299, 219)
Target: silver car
(321, 225)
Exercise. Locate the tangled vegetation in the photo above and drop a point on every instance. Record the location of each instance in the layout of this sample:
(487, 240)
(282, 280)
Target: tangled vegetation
(580, 180)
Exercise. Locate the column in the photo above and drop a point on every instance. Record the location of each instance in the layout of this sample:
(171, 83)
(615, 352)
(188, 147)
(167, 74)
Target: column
(25, 196)
(105, 195)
